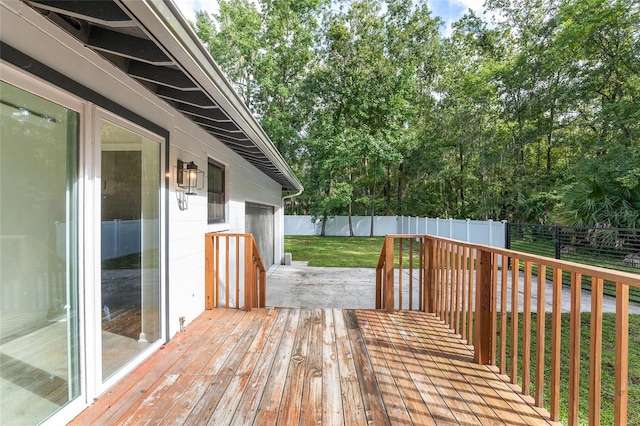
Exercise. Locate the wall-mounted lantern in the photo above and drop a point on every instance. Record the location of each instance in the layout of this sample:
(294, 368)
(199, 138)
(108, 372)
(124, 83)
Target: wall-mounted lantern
(188, 179)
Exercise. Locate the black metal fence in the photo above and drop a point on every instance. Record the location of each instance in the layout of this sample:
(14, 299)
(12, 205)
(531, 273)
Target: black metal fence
(614, 248)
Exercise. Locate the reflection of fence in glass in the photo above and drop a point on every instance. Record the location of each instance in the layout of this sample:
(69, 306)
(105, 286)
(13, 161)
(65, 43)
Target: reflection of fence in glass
(118, 237)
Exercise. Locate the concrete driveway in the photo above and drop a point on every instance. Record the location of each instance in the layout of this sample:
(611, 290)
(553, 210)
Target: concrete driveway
(302, 286)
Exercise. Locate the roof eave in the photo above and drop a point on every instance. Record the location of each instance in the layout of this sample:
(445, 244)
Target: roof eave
(171, 29)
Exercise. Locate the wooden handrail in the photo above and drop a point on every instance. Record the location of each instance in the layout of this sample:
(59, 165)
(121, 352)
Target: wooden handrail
(230, 275)
(469, 287)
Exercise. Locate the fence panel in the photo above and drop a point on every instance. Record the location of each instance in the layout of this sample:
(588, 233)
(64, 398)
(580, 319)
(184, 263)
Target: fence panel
(487, 232)
(613, 248)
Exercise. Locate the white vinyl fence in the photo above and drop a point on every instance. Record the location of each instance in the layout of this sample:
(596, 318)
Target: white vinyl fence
(487, 232)
(118, 237)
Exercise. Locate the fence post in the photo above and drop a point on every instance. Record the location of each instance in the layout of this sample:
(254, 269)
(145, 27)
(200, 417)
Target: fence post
(483, 325)
(556, 237)
(389, 289)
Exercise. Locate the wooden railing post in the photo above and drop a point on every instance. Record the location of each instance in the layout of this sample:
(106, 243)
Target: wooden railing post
(429, 275)
(248, 273)
(379, 279)
(208, 272)
(483, 324)
(389, 303)
(263, 288)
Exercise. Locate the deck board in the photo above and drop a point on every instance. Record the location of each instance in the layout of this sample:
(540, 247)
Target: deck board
(321, 366)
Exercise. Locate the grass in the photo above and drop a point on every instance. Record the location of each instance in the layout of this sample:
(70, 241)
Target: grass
(608, 364)
(350, 252)
(364, 252)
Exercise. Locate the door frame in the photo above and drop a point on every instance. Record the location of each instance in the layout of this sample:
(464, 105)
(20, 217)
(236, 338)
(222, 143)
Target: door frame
(93, 301)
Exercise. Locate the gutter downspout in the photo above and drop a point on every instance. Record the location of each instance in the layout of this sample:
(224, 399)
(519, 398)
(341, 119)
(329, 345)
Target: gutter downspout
(285, 197)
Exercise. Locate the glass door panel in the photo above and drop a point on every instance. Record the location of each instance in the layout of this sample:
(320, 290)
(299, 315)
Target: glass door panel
(130, 242)
(39, 337)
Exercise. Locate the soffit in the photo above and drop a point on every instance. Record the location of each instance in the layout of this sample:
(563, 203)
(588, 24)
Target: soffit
(174, 67)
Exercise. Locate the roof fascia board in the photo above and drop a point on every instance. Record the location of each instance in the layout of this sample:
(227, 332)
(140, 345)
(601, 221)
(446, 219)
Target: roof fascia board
(164, 21)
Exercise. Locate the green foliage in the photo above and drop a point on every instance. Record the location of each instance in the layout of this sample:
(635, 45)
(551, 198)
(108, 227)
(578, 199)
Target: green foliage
(533, 117)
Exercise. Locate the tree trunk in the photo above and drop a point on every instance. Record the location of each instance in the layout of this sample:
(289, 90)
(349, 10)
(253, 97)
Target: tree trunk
(373, 209)
(351, 234)
(324, 225)
(399, 191)
(387, 190)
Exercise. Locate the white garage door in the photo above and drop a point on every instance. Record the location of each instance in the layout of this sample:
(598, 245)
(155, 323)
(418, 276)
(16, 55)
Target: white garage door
(258, 220)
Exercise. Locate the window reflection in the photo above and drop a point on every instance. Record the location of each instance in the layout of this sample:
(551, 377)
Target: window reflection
(39, 350)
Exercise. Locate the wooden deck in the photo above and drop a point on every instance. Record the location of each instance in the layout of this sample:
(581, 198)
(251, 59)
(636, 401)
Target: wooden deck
(312, 366)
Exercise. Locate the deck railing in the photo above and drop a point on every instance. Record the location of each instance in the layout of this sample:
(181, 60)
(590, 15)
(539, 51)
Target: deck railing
(468, 286)
(233, 272)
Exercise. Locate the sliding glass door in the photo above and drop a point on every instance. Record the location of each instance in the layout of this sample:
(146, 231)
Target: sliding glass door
(39, 326)
(130, 244)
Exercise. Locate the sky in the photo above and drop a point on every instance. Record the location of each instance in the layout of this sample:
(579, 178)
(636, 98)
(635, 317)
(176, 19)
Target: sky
(449, 10)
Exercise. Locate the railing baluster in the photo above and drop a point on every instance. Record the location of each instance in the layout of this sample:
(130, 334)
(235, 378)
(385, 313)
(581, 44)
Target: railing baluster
(526, 330)
(540, 334)
(237, 271)
(494, 309)
(447, 281)
(470, 293)
(556, 312)
(216, 276)
(622, 353)
(453, 284)
(574, 348)
(429, 278)
(515, 285)
(421, 275)
(226, 271)
(400, 244)
(595, 343)
(503, 316)
(458, 284)
(463, 307)
(410, 273)
(248, 275)
(442, 278)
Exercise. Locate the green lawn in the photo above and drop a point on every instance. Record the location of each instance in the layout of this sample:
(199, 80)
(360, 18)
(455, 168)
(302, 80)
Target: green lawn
(608, 364)
(351, 252)
(364, 252)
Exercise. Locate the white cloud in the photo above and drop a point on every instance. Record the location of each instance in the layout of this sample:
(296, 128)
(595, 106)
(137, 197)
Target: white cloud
(189, 7)
(475, 5)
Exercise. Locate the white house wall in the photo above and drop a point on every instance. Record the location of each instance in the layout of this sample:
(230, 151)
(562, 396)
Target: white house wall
(31, 33)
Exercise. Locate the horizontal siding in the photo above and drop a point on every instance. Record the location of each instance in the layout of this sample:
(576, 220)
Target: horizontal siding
(188, 142)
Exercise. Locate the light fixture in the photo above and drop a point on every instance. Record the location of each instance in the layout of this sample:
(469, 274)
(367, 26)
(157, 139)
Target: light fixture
(189, 178)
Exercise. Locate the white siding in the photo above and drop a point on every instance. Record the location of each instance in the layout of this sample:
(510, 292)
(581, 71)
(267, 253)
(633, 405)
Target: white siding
(55, 48)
